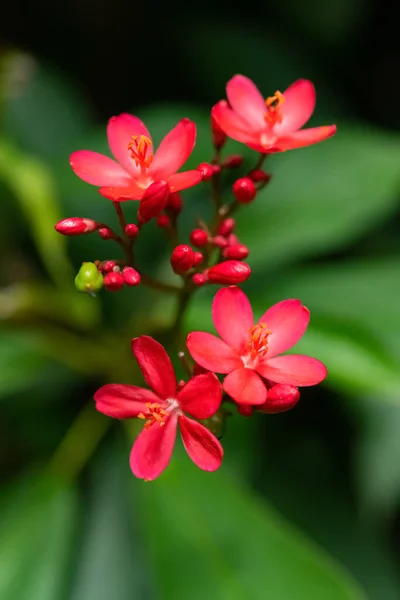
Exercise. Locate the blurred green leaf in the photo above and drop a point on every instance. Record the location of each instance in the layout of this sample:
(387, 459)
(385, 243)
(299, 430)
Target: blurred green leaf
(37, 530)
(19, 355)
(34, 189)
(322, 197)
(210, 537)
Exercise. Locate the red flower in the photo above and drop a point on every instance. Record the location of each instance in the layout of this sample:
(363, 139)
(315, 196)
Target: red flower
(271, 125)
(247, 353)
(137, 168)
(163, 410)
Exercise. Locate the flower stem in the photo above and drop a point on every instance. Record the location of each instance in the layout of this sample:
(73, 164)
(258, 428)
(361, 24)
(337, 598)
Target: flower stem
(127, 243)
(159, 285)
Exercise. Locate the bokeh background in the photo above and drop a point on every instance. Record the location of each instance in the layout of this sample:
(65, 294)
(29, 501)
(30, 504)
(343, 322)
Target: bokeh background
(306, 506)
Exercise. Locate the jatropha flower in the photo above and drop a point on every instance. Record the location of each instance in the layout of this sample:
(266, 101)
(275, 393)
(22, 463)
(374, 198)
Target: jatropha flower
(250, 354)
(163, 409)
(271, 125)
(136, 168)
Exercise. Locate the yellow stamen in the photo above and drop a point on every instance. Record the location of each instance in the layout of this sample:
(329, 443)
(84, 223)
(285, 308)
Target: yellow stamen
(154, 414)
(273, 114)
(138, 148)
(258, 344)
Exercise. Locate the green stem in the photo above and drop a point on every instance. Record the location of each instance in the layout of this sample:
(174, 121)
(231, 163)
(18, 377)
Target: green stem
(159, 285)
(127, 243)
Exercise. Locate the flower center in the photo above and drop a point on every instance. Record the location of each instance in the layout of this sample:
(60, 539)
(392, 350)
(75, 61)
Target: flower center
(257, 346)
(155, 413)
(273, 114)
(138, 148)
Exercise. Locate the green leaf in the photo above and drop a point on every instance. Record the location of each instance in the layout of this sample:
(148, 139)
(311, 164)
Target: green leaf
(322, 197)
(37, 530)
(19, 354)
(210, 537)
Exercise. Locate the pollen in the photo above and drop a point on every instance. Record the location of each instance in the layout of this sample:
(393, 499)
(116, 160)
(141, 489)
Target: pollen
(139, 149)
(258, 344)
(273, 103)
(154, 414)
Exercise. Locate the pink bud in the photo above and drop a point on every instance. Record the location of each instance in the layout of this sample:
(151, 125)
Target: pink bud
(206, 171)
(246, 410)
(113, 281)
(163, 221)
(108, 266)
(236, 251)
(175, 202)
(106, 233)
(199, 237)
(219, 241)
(244, 190)
(76, 226)
(131, 276)
(199, 279)
(232, 162)
(218, 136)
(182, 259)
(280, 398)
(226, 227)
(198, 258)
(154, 201)
(258, 175)
(132, 230)
(229, 272)
(216, 169)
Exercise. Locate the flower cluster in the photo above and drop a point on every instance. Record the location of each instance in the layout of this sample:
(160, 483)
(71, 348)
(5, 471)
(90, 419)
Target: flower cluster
(254, 373)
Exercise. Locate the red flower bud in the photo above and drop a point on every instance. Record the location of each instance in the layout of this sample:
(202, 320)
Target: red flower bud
(198, 258)
(258, 175)
(232, 162)
(154, 201)
(218, 136)
(206, 171)
(226, 227)
(182, 259)
(76, 226)
(113, 281)
(280, 398)
(198, 369)
(245, 410)
(163, 221)
(244, 190)
(199, 279)
(132, 230)
(106, 233)
(199, 237)
(175, 202)
(229, 272)
(216, 169)
(232, 239)
(219, 241)
(108, 266)
(236, 251)
(131, 276)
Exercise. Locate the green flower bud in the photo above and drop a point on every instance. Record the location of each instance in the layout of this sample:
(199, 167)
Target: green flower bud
(89, 280)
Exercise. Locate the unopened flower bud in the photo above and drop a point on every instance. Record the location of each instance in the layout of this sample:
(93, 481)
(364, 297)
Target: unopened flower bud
(199, 370)
(131, 276)
(76, 226)
(154, 201)
(163, 221)
(182, 259)
(199, 237)
(219, 241)
(280, 398)
(232, 162)
(236, 251)
(226, 227)
(246, 410)
(106, 233)
(229, 272)
(132, 230)
(218, 136)
(244, 190)
(199, 279)
(89, 280)
(113, 281)
(198, 258)
(108, 266)
(175, 202)
(206, 171)
(258, 175)
(216, 169)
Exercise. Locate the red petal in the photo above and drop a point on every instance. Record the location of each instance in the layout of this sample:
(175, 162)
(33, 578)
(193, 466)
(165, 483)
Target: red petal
(288, 320)
(295, 369)
(201, 445)
(298, 107)
(120, 131)
(305, 137)
(153, 448)
(98, 169)
(233, 125)
(245, 386)
(211, 352)
(233, 316)
(155, 365)
(123, 401)
(121, 194)
(201, 396)
(174, 150)
(184, 180)
(247, 101)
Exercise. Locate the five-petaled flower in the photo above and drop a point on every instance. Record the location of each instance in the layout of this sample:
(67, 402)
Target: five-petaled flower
(271, 125)
(250, 353)
(163, 408)
(136, 169)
